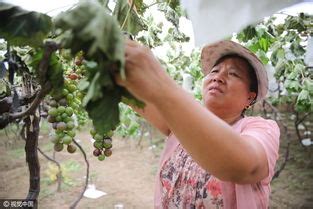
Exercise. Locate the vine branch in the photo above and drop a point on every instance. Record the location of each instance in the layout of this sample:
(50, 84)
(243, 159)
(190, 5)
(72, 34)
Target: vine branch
(74, 204)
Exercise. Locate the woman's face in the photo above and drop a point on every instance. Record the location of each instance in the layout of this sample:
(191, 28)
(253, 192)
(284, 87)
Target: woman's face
(226, 88)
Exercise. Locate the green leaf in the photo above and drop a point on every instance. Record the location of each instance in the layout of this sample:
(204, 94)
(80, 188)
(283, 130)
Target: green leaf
(93, 31)
(262, 56)
(308, 85)
(55, 73)
(296, 48)
(264, 44)
(105, 4)
(132, 22)
(292, 86)
(174, 4)
(140, 6)
(247, 33)
(304, 95)
(20, 27)
(105, 112)
(170, 14)
(94, 90)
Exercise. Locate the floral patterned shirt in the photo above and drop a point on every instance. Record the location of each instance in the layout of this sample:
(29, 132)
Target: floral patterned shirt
(187, 186)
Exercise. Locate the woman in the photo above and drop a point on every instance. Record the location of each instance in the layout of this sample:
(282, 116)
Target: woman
(214, 156)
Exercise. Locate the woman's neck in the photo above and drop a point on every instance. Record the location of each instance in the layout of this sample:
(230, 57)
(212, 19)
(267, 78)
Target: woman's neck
(230, 118)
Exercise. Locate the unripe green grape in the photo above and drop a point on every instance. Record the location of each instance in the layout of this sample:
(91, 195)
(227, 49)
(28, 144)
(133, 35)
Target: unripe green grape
(70, 97)
(71, 133)
(64, 116)
(61, 109)
(58, 118)
(71, 88)
(77, 101)
(60, 135)
(80, 95)
(67, 119)
(109, 134)
(107, 146)
(67, 139)
(101, 157)
(64, 92)
(70, 125)
(75, 106)
(53, 112)
(93, 132)
(98, 137)
(69, 111)
(98, 144)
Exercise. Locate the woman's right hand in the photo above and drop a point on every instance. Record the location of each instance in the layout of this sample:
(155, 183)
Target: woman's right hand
(145, 77)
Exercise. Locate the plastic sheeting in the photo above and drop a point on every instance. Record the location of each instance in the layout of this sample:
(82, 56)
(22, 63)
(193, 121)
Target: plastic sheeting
(214, 20)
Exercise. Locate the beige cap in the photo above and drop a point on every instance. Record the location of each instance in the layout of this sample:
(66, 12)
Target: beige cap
(213, 52)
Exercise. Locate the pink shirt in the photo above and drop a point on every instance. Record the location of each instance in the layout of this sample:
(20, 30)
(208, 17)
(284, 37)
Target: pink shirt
(267, 133)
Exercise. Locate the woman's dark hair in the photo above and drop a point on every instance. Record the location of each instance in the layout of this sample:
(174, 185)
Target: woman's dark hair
(251, 72)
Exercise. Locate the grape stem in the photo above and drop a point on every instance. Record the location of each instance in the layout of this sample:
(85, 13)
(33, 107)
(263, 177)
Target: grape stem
(74, 204)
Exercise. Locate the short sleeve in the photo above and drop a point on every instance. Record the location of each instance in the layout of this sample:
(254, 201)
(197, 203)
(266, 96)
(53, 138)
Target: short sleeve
(267, 133)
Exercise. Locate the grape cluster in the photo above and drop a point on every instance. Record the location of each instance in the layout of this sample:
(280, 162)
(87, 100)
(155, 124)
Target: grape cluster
(60, 114)
(74, 97)
(102, 144)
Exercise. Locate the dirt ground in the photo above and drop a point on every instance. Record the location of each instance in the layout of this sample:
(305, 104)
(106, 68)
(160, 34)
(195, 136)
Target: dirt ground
(128, 175)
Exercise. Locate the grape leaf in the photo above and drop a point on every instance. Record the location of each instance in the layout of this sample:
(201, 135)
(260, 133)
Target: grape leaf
(54, 73)
(105, 112)
(90, 29)
(18, 25)
(133, 22)
(94, 31)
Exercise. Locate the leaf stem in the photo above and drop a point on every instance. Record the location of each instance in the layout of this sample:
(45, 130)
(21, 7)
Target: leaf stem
(128, 13)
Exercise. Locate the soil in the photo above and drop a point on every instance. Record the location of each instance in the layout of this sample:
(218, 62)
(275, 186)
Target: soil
(128, 175)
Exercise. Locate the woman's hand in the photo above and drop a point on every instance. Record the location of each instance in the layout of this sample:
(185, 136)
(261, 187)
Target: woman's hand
(145, 77)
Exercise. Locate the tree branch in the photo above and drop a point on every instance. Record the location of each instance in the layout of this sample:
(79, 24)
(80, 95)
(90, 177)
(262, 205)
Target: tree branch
(32, 132)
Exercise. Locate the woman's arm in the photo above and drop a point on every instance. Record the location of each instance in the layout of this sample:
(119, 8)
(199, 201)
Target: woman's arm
(151, 114)
(210, 141)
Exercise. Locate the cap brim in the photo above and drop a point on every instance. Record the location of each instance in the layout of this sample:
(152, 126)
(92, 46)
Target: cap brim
(212, 53)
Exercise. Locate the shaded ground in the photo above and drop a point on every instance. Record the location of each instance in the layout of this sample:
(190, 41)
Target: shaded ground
(128, 175)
